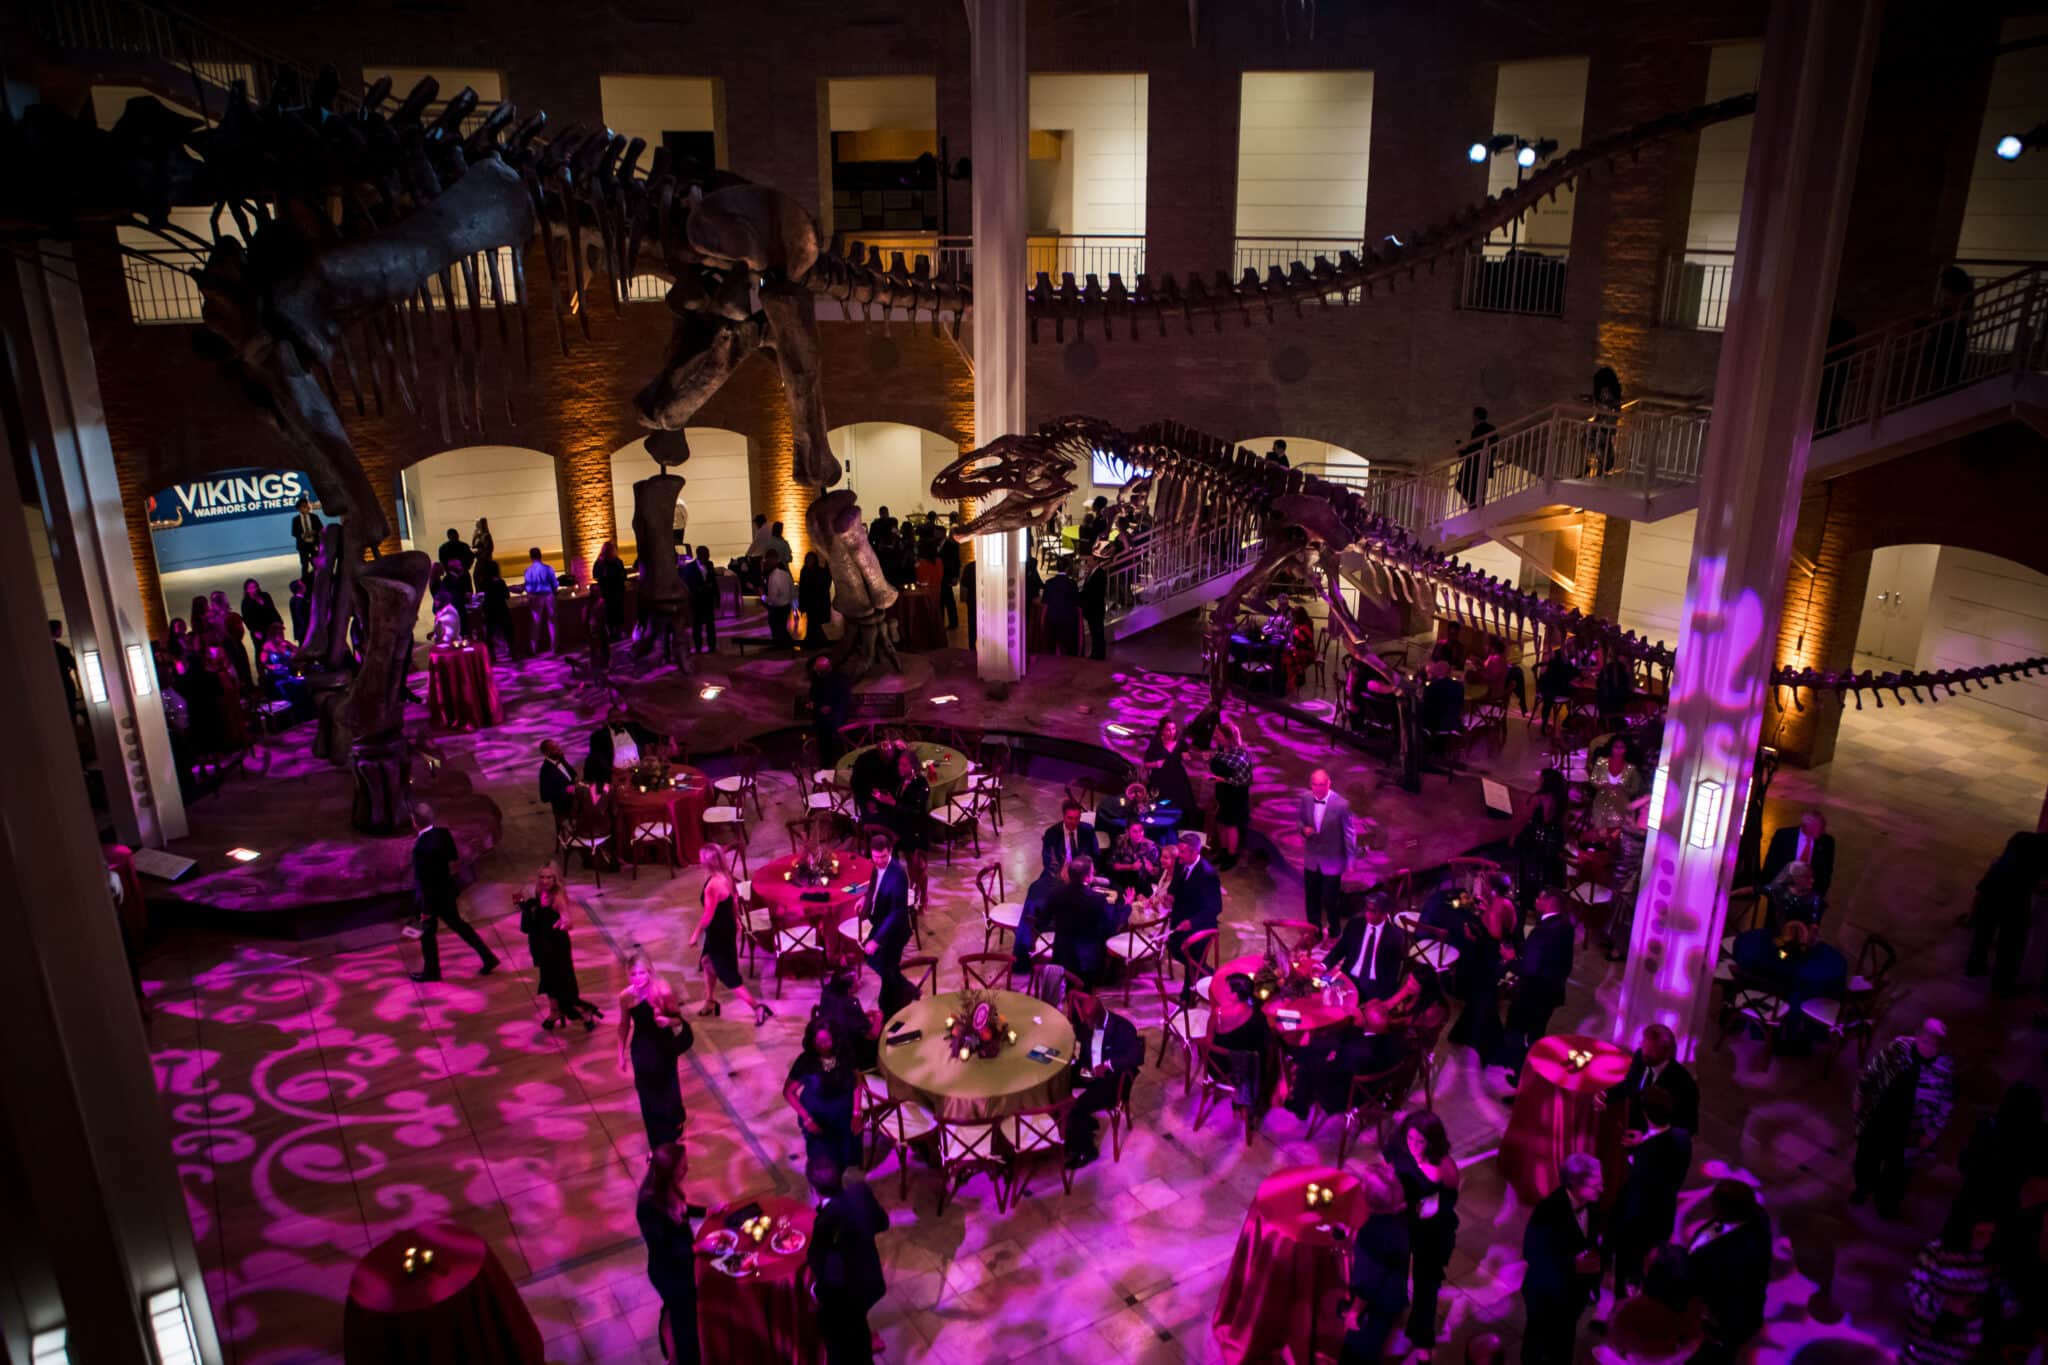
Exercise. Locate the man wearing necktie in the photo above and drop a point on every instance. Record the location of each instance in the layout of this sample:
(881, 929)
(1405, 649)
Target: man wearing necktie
(434, 858)
(306, 536)
(1728, 1264)
(1326, 845)
(888, 916)
(1561, 1271)
(1372, 951)
(1655, 1064)
(1069, 839)
(1807, 842)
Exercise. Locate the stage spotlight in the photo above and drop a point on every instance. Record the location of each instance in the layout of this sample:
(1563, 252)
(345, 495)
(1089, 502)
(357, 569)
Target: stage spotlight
(1493, 146)
(2009, 148)
(1477, 151)
(2013, 146)
(1527, 154)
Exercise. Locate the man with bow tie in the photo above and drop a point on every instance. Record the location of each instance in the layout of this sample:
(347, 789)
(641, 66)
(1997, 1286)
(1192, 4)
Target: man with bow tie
(1327, 841)
(1659, 1156)
(1069, 839)
(1655, 1065)
(887, 912)
(1372, 951)
(1107, 1050)
(1561, 1270)
(618, 743)
(557, 780)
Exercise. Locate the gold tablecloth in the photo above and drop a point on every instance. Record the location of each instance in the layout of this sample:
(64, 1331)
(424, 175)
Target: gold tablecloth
(952, 768)
(980, 1090)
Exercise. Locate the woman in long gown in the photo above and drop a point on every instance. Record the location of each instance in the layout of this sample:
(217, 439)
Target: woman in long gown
(663, 1212)
(1539, 844)
(609, 573)
(1164, 760)
(1421, 1157)
(1488, 932)
(718, 930)
(544, 919)
(653, 1036)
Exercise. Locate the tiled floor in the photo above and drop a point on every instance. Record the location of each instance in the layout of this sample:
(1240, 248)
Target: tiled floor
(320, 1099)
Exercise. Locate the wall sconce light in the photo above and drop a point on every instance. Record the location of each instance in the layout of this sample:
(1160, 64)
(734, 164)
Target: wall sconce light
(1657, 797)
(95, 676)
(1706, 813)
(48, 1348)
(140, 671)
(170, 1322)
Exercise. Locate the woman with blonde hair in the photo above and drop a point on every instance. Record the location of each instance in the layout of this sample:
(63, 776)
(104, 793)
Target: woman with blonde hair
(653, 1036)
(544, 919)
(718, 931)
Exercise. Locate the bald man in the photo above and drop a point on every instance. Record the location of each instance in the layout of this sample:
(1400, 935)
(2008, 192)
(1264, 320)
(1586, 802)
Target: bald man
(1326, 844)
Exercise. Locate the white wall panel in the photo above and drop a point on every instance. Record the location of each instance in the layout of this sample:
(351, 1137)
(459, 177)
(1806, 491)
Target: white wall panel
(1653, 576)
(1724, 151)
(714, 489)
(648, 106)
(1101, 178)
(1534, 100)
(865, 103)
(512, 486)
(2006, 214)
(1987, 610)
(1304, 144)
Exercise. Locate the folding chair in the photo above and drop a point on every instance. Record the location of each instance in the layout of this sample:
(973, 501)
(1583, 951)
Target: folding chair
(998, 916)
(587, 830)
(922, 972)
(900, 1123)
(801, 939)
(1375, 1098)
(1143, 942)
(967, 1150)
(1051, 983)
(1229, 1074)
(739, 786)
(1186, 1023)
(1029, 1133)
(1118, 1115)
(653, 830)
(1285, 937)
(985, 971)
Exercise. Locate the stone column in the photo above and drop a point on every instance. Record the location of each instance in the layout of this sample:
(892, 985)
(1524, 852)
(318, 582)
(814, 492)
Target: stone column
(1802, 162)
(86, 518)
(96, 1222)
(1001, 129)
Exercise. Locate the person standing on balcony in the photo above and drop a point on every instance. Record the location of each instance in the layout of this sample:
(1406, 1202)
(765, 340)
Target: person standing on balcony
(1607, 398)
(1475, 470)
(1278, 454)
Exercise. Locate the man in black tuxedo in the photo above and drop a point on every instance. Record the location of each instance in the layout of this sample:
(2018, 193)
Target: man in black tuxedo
(1728, 1264)
(1562, 1270)
(1807, 842)
(1069, 839)
(1372, 951)
(846, 1267)
(306, 538)
(1660, 1155)
(1083, 920)
(1197, 902)
(433, 875)
(618, 743)
(1543, 969)
(1095, 611)
(1107, 1052)
(1036, 916)
(1063, 613)
(557, 780)
(888, 916)
(1655, 1065)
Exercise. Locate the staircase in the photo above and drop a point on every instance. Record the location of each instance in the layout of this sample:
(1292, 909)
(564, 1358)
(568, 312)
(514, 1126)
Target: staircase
(1162, 574)
(1885, 393)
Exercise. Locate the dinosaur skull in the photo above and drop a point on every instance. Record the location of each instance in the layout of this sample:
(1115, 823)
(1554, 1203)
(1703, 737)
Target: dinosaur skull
(1028, 476)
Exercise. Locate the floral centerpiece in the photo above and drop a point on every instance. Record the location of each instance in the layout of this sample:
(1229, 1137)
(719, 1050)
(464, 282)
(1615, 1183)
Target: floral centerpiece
(815, 865)
(649, 773)
(1287, 979)
(976, 1028)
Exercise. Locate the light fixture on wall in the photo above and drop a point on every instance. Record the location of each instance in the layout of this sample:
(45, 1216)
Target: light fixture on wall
(1706, 813)
(140, 671)
(95, 675)
(1491, 147)
(1656, 814)
(170, 1322)
(1527, 154)
(2013, 146)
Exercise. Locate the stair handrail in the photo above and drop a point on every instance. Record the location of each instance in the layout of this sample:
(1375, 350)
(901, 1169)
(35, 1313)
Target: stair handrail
(183, 39)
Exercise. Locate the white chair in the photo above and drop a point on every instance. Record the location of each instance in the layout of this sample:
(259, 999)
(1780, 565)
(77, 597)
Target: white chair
(901, 1123)
(1144, 942)
(801, 939)
(965, 1150)
(1031, 1132)
(1440, 956)
(1187, 1023)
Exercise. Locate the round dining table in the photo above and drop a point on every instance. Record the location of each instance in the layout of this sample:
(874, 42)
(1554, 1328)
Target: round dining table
(679, 802)
(460, 1306)
(762, 1312)
(980, 1089)
(1558, 1112)
(951, 764)
(1334, 1004)
(462, 691)
(1286, 1278)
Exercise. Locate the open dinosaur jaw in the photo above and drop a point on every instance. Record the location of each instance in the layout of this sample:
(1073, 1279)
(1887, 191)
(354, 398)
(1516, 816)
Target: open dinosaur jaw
(1013, 513)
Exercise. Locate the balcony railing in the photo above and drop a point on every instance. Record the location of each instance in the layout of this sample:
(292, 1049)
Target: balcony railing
(161, 288)
(1499, 278)
(1079, 255)
(1262, 254)
(170, 35)
(1696, 287)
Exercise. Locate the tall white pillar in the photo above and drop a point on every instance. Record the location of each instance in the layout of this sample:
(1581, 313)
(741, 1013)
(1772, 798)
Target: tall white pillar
(1001, 115)
(1795, 199)
(85, 518)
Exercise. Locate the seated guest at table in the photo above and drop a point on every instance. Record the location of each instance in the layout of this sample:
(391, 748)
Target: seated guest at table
(1613, 686)
(1554, 686)
(455, 580)
(875, 774)
(1379, 1269)
(1134, 860)
(1082, 920)
(1562, 1262)
(1543, 968)
(1107, 1050)
(1166, 767)
(857, 1028)
(700, 580)
(1728, 1264)
(618, 743)
(1233, 768)
(544, 917)
(1903, 1100)
(1655, 1064)
(1450, 648)
(1807, 842)
(301, 609)
(1372, 950)
(1034, 916)
(887, 911)
(1489, 933)
(664, 1212)
(1328, 839)
(718, 936)
(1659, 1157)
(653, 1036)
(1197, 904)
(820, 1089)
(1420, 1152)
(447, 622)
(1443, 700)
(273, 652)
(846, 1267)
(1063, 612)
(1791, 898)
(1071, 838)
(814, 599)
(1492, 670)
(910, 815)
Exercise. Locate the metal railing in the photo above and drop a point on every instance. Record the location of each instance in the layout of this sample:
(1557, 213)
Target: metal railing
(1262, 254)
(1696, 290)
(160, 285)
(2001, 329)
(1348, 475)
(1080, 255)
(1161, 564)
(1498, 278)
(165, 33)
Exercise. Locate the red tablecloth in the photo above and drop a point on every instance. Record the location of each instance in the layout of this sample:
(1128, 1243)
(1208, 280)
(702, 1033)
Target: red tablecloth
(792, 904)
(1287, 1275)
(462, 692)
(920, 625)
(767, 1317)
(134, 914)
(1316, 1013)
(1555, 1113)
(681, 806)
(462, 1307)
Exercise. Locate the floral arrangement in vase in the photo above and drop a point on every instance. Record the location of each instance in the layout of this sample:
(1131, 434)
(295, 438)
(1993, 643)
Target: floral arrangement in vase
(815, 865)
(976, 1028)
(649, 773)
(1286, 978)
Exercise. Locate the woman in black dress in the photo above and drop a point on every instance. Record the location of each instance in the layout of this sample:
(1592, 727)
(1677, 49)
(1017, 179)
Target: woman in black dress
(609, 573)
(1539, 843)
(1487, 932)
(1169, 774)
(1421, 1157)
(814, 599)
(1233, 768)
(544, 919)
(482, 546)
(664, 1212)
(653, 1036)
(718, 930)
